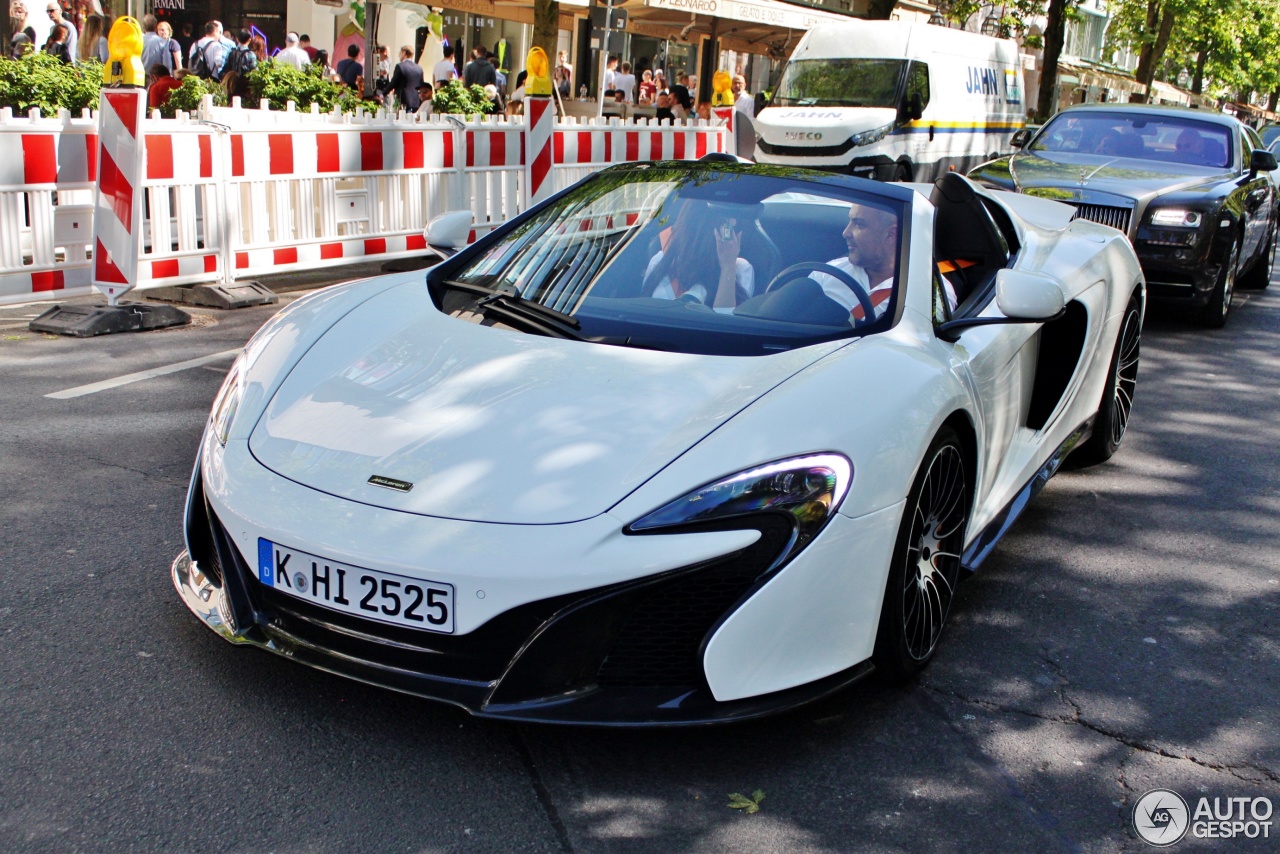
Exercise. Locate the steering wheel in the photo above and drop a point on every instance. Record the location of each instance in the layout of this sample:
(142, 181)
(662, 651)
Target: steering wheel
(796, 271)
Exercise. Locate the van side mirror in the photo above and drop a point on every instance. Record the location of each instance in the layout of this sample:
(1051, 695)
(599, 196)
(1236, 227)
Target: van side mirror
(1020, 138)
(915, 107)
(448, 232)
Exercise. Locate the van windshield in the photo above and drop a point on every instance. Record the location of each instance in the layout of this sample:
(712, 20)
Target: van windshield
(840, 83)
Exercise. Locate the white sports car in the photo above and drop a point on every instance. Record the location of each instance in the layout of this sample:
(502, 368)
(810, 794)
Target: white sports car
(688, 442)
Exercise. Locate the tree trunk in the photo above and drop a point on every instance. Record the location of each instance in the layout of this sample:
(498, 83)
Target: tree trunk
(1197, 82)
(1273, 100)
(880, 10)
(1054, 33)
(1158, 50)
(1146, 56)
(546, 31)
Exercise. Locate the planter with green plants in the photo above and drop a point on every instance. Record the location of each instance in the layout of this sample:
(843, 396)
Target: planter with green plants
(461, 100)
(43, 81)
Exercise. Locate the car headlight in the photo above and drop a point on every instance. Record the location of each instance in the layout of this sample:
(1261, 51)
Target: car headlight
(869, 136)
(1176, 218)
(806, 490)
(227, 402)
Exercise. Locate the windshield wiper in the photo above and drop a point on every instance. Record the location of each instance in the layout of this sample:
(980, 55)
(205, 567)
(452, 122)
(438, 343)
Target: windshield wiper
(505, 301)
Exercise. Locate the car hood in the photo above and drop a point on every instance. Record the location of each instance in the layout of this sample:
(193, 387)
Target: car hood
(1079, 175)
(493, 425)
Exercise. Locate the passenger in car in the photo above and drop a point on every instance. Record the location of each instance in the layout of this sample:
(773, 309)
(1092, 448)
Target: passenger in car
(699, 260)
(1190, 147)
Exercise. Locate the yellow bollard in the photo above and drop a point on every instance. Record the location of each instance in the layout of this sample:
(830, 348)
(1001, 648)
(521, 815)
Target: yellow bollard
(721, 89)
(124, 55)
(539, 67)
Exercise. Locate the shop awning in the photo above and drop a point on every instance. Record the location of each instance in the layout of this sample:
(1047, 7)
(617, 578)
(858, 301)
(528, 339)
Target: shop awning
(768, 13)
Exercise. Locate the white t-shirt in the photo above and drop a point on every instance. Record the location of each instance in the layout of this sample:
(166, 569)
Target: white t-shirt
(610, 79)
(295, 56)
(443, 70)
(627, 83)
(744, 279)
(745, 104)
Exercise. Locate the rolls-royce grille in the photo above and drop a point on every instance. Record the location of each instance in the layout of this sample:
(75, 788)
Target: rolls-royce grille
(1105, 215)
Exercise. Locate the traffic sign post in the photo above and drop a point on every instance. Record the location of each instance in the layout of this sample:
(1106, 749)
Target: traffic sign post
(606, 22)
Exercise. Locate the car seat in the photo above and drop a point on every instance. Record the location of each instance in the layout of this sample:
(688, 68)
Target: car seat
(965, 236)
(1215, 153)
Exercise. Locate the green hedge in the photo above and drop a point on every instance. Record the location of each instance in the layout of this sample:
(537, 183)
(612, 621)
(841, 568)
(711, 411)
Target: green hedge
(280, 83)
(44, 81)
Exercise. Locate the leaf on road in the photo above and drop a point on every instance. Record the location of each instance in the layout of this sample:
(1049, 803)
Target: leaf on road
(739, 801)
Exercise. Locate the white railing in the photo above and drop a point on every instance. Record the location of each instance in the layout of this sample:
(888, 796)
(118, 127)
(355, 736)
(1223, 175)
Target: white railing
(235, 192)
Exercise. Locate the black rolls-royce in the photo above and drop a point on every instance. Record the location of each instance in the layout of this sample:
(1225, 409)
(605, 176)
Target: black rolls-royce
(1193, 190)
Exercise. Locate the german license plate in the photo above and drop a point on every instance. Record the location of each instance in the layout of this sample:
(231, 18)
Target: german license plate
(354, 590)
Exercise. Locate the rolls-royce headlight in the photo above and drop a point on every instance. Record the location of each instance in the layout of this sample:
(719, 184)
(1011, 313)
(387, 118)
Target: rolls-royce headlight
(227, 402)
(869, 136)
(807, 490)
(1176, 218)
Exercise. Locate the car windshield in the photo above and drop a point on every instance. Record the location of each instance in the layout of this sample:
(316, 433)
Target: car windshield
(840, 83)
(690, 260)
(1138, 136)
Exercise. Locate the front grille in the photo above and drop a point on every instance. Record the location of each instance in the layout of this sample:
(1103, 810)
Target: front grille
(661, 640)
(1116, 217)
(805, 150)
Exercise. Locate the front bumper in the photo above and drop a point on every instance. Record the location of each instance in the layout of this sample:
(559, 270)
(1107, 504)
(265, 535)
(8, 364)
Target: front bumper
(626, 654)
(1177, 275)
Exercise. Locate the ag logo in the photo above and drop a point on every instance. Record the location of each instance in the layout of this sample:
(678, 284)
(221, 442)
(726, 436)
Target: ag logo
(1160, 817)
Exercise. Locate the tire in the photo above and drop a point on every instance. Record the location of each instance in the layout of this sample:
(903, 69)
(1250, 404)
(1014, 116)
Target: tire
(1259, 275)
(926, 561)
(1214, 313)
(1117, 395)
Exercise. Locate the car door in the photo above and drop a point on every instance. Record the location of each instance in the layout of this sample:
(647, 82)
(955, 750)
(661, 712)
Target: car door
(1256, 200)
(1026, 377)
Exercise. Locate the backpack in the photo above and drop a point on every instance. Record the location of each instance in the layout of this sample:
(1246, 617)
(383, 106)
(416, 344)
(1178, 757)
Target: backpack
(199, 62)
(241, 60)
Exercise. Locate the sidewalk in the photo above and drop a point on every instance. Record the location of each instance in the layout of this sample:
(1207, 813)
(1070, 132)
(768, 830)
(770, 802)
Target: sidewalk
(14, 318)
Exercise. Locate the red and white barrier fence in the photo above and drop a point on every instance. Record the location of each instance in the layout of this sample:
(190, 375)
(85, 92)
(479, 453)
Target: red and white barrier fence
(238, 193)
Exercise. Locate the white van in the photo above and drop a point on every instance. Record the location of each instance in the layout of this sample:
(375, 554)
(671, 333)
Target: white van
(893, 101)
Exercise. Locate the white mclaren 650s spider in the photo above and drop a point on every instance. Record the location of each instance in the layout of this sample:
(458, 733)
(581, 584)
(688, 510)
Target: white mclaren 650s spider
(685, 443)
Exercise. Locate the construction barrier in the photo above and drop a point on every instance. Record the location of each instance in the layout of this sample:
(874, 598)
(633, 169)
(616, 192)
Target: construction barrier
(234, 193)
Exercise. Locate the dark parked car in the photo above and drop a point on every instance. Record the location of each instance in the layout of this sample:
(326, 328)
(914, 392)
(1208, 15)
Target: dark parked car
(1194, 191)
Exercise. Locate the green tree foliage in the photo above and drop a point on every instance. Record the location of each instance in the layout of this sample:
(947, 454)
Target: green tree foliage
(1227, 48)
(281, 83)
(43, 81)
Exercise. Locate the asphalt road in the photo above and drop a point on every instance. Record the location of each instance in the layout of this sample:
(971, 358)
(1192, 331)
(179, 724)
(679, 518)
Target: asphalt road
(1122, 638)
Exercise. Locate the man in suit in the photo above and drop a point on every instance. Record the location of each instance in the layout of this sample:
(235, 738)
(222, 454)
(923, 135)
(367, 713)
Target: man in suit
(405, 79)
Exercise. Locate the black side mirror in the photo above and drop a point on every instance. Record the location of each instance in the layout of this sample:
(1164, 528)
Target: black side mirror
(1261, 161)
(1020, 138)
(915, 107)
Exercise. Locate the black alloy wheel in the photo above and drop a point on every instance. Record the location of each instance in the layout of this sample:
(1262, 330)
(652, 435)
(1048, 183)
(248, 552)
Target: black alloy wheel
(926, 561)
(1259, 275)
(1117, 395)
(1214, 313)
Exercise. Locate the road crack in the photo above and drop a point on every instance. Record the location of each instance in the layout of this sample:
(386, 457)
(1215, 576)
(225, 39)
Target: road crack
(541, 791)
(1076, 718)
